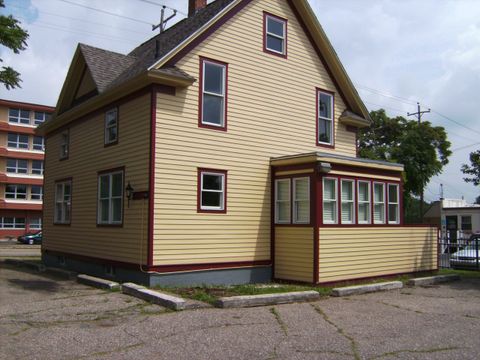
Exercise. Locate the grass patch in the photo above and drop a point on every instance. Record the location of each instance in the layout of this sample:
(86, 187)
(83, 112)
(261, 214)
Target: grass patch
(475, 274)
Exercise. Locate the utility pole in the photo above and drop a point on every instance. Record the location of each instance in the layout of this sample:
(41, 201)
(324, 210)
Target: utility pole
(419, 114)
(163, 21)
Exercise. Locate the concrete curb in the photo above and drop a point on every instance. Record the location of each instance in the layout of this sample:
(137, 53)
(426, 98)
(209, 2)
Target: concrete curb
(363, 289)
(98, 282)
(155, 297)
(431, 280)
(266, 299)
(26, 264)
(61, 273)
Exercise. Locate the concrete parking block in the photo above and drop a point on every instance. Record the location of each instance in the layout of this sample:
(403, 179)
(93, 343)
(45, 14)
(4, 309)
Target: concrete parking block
(61, 273)
(155, 297)
(98, 282)
(431, 280)
(266, 299)
(363, 289)
(26, 264)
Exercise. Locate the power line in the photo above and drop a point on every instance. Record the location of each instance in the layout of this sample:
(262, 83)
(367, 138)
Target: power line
(456, 122)
(161, 5)
(465, 147)
(106, 12)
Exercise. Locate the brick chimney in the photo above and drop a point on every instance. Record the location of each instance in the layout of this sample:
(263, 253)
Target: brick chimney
(195, 5)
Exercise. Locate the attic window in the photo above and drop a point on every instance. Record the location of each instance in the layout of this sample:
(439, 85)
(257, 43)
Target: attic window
(275, 35)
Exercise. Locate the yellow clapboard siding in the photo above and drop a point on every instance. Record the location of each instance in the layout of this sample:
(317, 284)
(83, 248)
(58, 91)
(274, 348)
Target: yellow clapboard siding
(294, 253)
(349, 253)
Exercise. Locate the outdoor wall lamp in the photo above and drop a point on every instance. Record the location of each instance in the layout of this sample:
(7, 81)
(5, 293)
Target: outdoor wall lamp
(129, 192)
(324, 167)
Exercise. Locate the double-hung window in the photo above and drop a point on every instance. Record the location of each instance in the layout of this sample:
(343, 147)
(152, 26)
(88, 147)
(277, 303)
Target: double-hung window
(37, 167)
(19, 116)
(17, 192)
(393, 204)
(213, 94)
(64, 144)
(17, 141)
(63, 202)
(364, 202)
(111, 126)
(17, 166)
(330, 201)
(212, 191)
(301, 200)
(325, 113)
(110, 198)
(12, 223)
(275, 35)
(40, 117)
(282, 201)
(35, 223)
(348, 201)
(38, 143)
(379, 203)
(36, 192)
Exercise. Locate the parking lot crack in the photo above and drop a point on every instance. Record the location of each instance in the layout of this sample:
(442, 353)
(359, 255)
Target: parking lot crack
(409, 351)
(109, 352)
(279, 320)
(399, 307)
(341, 331)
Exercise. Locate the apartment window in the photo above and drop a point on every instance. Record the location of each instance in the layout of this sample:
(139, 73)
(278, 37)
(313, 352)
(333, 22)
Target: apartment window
(17, 192)
(378, 203)
(17, 141)
(110, 198)
(12, 223)
(282, 201)
(64, 144)
(35, 223)
(364, 202)
(40, 117)
(275, 35)
(36, 192)
(466, 222)
(301, 200)
(348, 201)
(17, 166)
(111, 126)
(18, 116)
(37, 167)
(63, 202)
(213, 99)
(38, 143)
(212, 194)
(325, 118)
(393, 204)
(329, 201)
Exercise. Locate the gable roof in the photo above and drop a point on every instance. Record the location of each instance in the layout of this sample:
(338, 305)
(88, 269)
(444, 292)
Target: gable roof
(159, 54)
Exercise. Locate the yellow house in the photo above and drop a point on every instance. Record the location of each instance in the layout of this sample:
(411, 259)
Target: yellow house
(222, 150)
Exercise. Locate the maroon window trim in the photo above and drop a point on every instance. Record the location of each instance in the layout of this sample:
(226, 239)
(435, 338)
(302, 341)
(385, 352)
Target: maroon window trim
(200, 95)
(285, 39)
(224, 173)
(105, 172)
(105, 143)
(58, 181)
(317, 142)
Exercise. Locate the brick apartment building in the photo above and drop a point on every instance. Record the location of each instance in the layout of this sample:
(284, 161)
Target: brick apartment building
(21, 167)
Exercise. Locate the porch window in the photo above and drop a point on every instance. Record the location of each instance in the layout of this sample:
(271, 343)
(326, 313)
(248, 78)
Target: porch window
(325, 118)
(393, 204)
(63, 202)
(348, 201)
(379, 203)
(282, 201)
(275, 35)
(329, 201)
(212, 194)
(214, 94)
(364, 202)
(301, 200)
(110, 198)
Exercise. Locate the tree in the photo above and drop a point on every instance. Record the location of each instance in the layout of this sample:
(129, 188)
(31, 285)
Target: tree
(473, 169)
(13, 37)
(477, 200)
(422, 148)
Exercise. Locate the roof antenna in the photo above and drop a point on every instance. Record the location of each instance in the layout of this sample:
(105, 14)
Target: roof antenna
(163, 21)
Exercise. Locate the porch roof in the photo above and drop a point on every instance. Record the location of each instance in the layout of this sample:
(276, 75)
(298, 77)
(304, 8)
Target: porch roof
(335, 159)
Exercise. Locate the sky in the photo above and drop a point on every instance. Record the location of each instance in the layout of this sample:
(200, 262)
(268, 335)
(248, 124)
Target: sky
(397, 53)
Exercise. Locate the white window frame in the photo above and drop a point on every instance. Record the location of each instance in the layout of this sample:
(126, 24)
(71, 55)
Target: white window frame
(288, 201)
(19, 117)
(35, 226)
(110, 199)
(16, 168)
(16, 193)
(222, 95)
(64, 204)
(18, 142)
(42, 168)
(296, 200)
(379, 203)
(397, 204)
(36, 145)
(64, 144)
(330, 120)
(221, 191)
(39, 121)
(110, 126)
(14, 223)
(351, 202)
(283, 38)
(368, 201)
(334, 200)
(36, 194)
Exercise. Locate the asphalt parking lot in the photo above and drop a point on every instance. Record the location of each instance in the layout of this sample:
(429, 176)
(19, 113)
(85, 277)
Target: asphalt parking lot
(48, 318)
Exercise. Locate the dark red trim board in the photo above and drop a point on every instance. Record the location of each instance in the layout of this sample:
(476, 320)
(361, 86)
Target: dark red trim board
(151, 181)
(268, 51)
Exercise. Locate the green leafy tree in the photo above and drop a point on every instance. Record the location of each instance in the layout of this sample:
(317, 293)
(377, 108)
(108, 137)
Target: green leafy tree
(13, 37)
(477, 200)
(473, 169)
